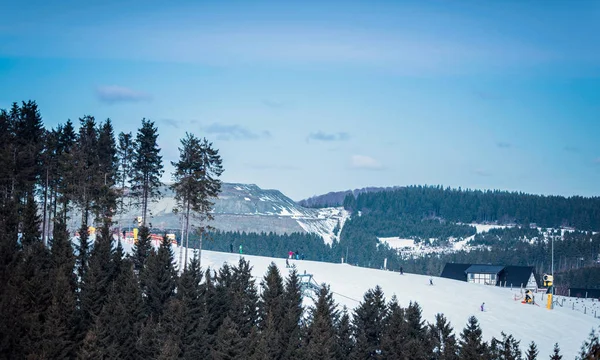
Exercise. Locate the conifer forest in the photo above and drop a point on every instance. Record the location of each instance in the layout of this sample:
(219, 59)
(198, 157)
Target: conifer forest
(64, 296)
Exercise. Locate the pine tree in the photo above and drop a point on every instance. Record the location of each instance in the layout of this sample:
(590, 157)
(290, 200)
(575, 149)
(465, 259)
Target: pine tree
(395, 335)
(556, 353)
(106, 197)
(170, 330)
(125, 151)
(91, 349)
(118, 324)
(66, 177)
(83, 251)
(271, 309)
(229, 344)
(590, 349)
(189, 292)
(31, 223)
(321, 341)
(147, 167)
(159, 279)
(96, 281)
(472, 346)
(443, 340)
(344, 335)
(418, 345)
(142, 249)
(195, 181)
(532, 352)
(244, 299)
(369, 323)
(85, 167)
(291, 329)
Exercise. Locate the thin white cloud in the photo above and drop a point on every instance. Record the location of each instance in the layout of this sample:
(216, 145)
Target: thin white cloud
(234, 132)
(322, 136)
(365, 162)
(114, 93)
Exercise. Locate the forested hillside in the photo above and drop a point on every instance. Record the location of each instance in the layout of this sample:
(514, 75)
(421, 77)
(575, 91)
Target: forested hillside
(466, 206)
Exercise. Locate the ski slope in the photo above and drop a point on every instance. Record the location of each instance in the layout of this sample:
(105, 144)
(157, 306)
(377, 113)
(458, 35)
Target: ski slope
(455, 299)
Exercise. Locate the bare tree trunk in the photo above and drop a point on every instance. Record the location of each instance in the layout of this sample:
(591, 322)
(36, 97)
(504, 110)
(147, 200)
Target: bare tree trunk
(187, 233)
(44, 237)
(181, 245)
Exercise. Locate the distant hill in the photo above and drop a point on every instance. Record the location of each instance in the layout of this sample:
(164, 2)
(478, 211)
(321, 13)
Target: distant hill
(245, 208)
(336, 198)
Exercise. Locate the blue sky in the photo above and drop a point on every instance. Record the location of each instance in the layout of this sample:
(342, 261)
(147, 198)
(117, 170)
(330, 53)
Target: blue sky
(310, 97)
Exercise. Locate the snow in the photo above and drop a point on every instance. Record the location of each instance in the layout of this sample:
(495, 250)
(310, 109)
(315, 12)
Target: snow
(324, 222)
(238, 188)
(481, 228)
(247, 199)
(457, 300)
(398, 243)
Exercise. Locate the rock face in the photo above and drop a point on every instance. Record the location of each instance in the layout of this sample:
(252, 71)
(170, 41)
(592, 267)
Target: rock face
(246, 207)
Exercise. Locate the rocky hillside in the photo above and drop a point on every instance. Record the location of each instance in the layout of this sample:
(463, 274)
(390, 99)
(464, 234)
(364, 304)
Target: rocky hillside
(247, 207)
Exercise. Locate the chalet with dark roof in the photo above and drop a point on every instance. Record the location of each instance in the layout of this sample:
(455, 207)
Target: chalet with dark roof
(494, 275)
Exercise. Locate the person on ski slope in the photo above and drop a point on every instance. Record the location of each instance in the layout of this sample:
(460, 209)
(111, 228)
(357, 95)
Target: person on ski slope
(482, 305)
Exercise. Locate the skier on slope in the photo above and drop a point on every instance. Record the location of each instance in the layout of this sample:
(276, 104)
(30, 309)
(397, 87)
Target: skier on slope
(482, 305)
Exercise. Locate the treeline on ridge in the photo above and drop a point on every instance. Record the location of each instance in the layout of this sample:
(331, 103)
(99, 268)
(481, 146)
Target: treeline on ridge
(467, 206)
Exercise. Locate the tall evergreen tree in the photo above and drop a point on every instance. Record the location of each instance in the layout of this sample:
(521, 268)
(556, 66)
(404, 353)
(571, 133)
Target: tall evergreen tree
(292, 330)
(96, 281)
(590, 349)
(125, 152)
(442, 339)
(142, 249)
(472, 347)
(159, 279)
(395, 336)
(106, 198)
(189, 291)
(321, 341)
(244, 299)
(344, 335)
(556, 353)
(229, 344)
(369, 323)
(196, 181)
(147, 167)
(532, 352)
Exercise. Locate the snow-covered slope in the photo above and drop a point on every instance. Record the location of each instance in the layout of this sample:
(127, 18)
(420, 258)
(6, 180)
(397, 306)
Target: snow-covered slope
(245, 207)
(456, 300)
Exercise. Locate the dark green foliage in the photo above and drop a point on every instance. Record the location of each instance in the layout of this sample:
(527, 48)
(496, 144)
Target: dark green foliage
(321, 340)
(590, 349)
(556, 353)
(271, 308)
(118, 324)
(443, 341)
(189, 292)
(195, 180)
(159, 279)
(83, 250)
(147, 167)
(96, 281)
(292, 330)
(369, 323)
(142, 248)
(31, 223)
(532, 352)
(472, 346)
(344, 335)
(506, 348)
(229, 345)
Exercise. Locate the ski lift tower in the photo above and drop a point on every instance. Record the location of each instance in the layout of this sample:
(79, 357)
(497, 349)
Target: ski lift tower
(308, 286)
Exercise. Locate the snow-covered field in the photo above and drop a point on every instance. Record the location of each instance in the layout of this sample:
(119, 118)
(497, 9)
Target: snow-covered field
(456, 300)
